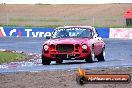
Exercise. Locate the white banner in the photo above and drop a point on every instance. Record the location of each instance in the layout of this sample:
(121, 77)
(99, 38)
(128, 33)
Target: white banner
(121, 33)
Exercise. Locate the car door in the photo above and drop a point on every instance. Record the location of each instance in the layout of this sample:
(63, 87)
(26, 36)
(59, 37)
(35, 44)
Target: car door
(97, 45)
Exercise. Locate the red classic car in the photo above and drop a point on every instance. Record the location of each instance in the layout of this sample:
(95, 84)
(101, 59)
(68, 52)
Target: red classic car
(73, 43)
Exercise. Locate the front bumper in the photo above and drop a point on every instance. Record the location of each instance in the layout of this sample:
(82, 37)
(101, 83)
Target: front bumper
(66, 56)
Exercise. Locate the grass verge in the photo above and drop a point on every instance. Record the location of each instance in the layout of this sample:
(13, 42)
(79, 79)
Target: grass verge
(6, 57)
(29, 26)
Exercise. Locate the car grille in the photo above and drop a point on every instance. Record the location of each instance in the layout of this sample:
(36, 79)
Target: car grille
(65, 47)
(61, 55)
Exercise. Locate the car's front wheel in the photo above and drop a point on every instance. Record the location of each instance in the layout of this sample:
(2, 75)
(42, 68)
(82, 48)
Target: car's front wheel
(45, 61)
(101, 57)
(59, 61)
(90, 58)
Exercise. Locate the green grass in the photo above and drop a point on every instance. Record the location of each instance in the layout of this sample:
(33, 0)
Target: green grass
(113, 26)
(6, 57)
(45, 20)
(35, 20)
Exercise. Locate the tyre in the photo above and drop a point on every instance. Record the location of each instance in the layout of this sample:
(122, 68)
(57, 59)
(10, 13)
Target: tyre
(59, 61)
(45, 61)
(127, 22)
(101, 57)
(90, 58)
(130, 22)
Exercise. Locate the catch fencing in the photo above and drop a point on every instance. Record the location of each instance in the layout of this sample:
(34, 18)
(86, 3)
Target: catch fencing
(21, 20)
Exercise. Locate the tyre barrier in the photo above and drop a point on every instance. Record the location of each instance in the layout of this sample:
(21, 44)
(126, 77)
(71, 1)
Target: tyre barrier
(129, 22)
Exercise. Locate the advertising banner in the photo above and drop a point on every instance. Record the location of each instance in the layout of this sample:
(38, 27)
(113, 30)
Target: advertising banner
(27, 32)
(121, 33)
(103, 32)
(39, 32)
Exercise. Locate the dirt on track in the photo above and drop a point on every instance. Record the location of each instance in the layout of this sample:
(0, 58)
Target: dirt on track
(58, 79)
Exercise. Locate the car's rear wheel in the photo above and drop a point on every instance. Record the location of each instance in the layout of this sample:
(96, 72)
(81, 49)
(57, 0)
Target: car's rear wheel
(45, 61)
(101, 57)
(59, 61)
(90, 58)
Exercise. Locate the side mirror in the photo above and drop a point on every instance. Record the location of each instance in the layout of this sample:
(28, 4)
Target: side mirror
(95, 35)
(48, 37)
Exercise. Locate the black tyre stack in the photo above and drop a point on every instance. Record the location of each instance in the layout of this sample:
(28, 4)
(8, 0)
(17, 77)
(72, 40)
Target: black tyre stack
(129, 22)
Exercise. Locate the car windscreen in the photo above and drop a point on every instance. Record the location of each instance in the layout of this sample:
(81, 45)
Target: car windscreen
(72, 33)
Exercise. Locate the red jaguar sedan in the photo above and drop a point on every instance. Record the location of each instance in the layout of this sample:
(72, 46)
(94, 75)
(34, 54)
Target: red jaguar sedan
(73, 43)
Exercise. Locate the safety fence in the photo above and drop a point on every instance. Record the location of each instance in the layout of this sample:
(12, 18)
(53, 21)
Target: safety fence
(11, 19)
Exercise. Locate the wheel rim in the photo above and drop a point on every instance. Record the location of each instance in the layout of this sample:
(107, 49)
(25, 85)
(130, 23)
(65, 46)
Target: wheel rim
(104, 53)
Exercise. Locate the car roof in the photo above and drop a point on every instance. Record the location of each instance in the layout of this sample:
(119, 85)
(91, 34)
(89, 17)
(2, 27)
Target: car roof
(92, 28)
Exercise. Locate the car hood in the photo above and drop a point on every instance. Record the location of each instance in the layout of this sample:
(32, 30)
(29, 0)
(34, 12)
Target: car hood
(67, 41)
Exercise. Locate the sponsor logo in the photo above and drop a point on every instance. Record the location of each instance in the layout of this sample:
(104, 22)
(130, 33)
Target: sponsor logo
(14, 32)
(37, 34)
(28, 33)
(2, 32)
(83, 77)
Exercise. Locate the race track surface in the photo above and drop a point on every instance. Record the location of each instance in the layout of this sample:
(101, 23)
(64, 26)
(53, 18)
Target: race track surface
(118, 54)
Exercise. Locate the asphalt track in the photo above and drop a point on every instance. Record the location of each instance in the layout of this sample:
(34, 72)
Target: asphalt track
(118, 54)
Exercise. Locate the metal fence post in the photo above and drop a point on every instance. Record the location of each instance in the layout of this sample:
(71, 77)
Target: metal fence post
(64, 21)
(7, 19)
(93, 22)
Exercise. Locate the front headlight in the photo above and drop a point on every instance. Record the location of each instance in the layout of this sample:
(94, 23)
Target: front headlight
(84, 46)
(46, 47)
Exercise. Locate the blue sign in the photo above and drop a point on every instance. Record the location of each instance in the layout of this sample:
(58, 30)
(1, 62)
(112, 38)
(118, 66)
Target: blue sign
(41, 32)
(103, 32)
(28, 32)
